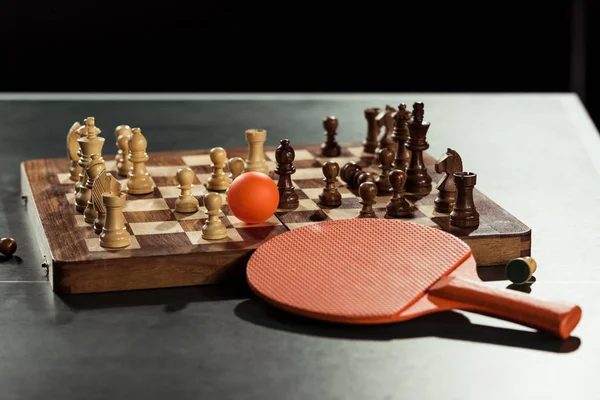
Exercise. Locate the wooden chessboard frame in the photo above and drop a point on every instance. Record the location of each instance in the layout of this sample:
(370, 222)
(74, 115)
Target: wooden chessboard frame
(158, 256)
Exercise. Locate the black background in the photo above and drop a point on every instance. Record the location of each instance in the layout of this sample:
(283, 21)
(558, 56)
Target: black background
(301, 46)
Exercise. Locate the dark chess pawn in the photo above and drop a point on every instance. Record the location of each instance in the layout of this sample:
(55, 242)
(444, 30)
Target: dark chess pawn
(397, 207)
(464, 214)
(367, 192)
(386, 158)
(284, 156)
(353, 175)
(330, 148)
(330, 196)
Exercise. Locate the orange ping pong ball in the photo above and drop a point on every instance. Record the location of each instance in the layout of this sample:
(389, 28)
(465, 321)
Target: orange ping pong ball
(253, 197)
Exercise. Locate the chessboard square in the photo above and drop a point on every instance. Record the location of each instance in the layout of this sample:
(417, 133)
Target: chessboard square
(341, 213)
(341, 161)
(93, 245)
(80, 221)
(313, 193)
(308, 183)
(296, 225)
(191, 225)
(226, 210)
(192, 161)
(350, 203)
(303, 205)
(156, 228)
(381, 201)
(300, 164)
(154, 194)
(356, 151)
(203, 178)
(426, 221)
(145, 205)
(164, 170)
(64, 179)
(188, 216)
(308, 173)
(164, 181)
(237, 223)
(149, 216)
(232, 236)
(293, 217)
(301, 195)
(70, 197)
(110, 165)
(428, 211)
(177, 240)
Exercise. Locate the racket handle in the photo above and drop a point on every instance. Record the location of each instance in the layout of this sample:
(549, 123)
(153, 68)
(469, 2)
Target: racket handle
(557, 318)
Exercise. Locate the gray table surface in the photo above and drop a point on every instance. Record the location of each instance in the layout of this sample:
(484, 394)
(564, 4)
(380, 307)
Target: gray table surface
(537, 155)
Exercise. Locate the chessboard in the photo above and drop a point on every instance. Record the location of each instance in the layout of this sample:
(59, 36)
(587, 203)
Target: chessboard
(167, 249)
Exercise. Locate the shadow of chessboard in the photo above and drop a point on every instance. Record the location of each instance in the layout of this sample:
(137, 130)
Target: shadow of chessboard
(167, 249)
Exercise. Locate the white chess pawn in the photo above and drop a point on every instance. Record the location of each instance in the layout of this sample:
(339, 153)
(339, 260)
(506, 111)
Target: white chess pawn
(213, 228)
(236, 167)
(186, 202)
(218, 180)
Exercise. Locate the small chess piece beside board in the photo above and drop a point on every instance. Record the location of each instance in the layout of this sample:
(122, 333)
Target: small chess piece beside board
(143, 219)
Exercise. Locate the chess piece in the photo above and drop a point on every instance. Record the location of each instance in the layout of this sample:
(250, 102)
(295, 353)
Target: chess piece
(123, 151)
(418, 181)
(520, 270)
(370, 142)
(397, 206)
(353, 175)
(464, 213)
(93, 169)
(114, 235)
(186, 202)
(73, 152)
(256, 154)
(81, 132)
(218, 180)
(90, 144)
(385, 157)
(213, 228)
(367, 192)
(330, 148)
(386, 123)
(138, 179)
(400, 136)
(448, 164)
(236, 167)
(284, 157)
(8, 246)
(105, 182)
(123, 134)
(330, 196)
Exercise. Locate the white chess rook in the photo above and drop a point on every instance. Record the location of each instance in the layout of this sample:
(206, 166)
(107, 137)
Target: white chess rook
(114, 234)
(256, 151)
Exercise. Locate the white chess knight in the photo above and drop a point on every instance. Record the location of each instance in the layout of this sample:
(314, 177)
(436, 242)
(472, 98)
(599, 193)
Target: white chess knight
(218, 180)
(186, 202)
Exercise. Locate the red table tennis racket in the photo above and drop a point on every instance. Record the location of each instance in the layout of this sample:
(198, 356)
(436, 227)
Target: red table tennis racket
(371, 271)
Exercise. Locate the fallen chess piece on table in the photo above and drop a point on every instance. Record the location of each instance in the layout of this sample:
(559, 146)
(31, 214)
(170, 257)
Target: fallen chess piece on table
(520, 270)
(8, 246)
